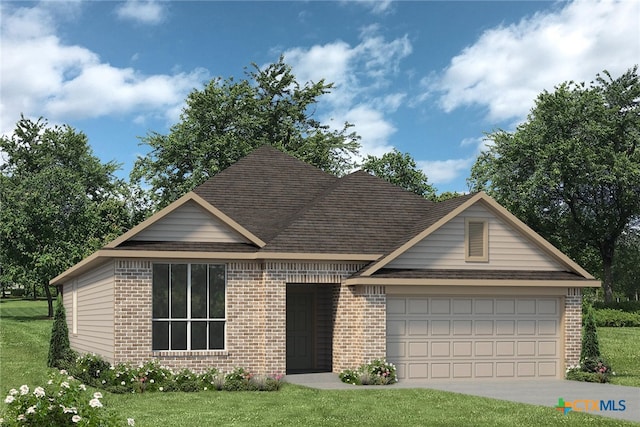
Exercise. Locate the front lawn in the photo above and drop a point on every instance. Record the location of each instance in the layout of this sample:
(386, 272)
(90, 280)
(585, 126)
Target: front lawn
(24, 336)
(621, 348)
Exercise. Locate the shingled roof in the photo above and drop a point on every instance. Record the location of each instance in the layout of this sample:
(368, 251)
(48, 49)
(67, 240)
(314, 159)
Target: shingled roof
(295, 207)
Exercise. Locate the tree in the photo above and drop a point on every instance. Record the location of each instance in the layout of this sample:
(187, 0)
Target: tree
(58, 203)
(59, 348)
(401, 170)
(626, 265)
(227, 119)
(572, 170)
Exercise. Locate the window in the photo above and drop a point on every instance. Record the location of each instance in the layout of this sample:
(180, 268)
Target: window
(476, 240)
(188, 307)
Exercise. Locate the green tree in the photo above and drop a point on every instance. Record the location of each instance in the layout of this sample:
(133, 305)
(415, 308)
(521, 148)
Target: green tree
(58, 203)
(401, 170)
(227, 119)
(59, 348)
(626, 266)
(572, 170)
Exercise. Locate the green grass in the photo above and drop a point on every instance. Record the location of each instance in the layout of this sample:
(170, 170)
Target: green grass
(24, 332)
(621, 348)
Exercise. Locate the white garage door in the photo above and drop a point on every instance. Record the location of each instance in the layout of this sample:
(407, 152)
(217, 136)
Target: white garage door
(480, 337)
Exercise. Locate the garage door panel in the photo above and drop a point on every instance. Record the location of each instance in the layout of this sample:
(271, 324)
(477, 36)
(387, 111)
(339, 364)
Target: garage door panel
(396, 328)
(440, 349)
(440, 327)
(464, 337)
(440, 370)
(462, 370)
(462, 306)
(419, 370)
(418, 327)
(462, 327)
(547, 327)
(548, 348)
(418, 349)
(462, 349)
(526, 327)
(418, 306)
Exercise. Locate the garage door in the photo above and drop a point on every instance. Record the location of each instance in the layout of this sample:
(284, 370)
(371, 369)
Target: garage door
(482, 337)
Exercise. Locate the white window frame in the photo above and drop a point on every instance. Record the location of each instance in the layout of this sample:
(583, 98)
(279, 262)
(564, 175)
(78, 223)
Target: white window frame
(485, 240)
(189, 319)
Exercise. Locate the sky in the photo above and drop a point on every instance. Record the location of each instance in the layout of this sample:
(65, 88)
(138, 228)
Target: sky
(429, 78)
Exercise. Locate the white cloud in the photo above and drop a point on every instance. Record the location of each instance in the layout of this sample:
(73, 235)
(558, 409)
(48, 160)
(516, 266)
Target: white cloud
(371, 125)
(41, 75)
(445, 171)
(144, 12)
(361, 76)
(507, 67)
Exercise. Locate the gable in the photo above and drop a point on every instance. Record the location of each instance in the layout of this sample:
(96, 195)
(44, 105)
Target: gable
(507, 247)
(189, 223)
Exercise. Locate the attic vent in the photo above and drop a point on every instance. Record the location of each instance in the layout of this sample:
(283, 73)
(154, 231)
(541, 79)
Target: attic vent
(476, 240)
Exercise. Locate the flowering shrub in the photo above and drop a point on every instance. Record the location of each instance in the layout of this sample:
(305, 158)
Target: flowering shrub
(63, 401)
(151, 377)
(376, 372)
(590, 370)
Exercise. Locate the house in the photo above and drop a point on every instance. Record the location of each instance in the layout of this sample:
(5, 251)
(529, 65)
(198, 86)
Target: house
(276, 266)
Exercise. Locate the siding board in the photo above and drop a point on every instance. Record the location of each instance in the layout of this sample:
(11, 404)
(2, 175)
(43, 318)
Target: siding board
(445, 248)
(189, 223)
(95, 312)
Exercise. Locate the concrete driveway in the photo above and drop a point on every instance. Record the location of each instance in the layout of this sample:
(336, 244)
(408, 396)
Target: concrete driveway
(536, 392)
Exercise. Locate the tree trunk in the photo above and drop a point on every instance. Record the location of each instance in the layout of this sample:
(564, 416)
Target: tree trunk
(47, 291)
(606, 251)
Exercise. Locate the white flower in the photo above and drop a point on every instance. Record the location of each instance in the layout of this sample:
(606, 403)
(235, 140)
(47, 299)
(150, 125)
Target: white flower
(76, 418)
(122, 383)
(104, 381)
(70, 410)
(82, 387)
(24, 389)
(9, 399)
(97, 371)
(31, 410)
(13, 392)
(161, 388)
(50, 382)
(39, 392)
(64, 384)
(63, 372)
(131, 422)
(97, 395)
(151, 381)
(21, 417)
(95, 403)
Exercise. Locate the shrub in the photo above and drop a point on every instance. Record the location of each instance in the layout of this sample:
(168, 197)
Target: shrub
(590, 345)
(150, 377)
(60, 353)
(626, 306)
(376, 372)
(616, 318)
(237, 380)
(63, 401)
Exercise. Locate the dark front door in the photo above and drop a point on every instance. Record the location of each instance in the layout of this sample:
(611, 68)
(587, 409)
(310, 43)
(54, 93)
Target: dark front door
(300, 330)
(309, 328)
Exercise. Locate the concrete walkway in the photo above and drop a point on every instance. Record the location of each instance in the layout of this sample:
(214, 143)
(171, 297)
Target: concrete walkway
(535, 392)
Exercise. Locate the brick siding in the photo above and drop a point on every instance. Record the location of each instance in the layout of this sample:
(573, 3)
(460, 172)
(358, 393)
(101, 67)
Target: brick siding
(256, 315)
(572, 326)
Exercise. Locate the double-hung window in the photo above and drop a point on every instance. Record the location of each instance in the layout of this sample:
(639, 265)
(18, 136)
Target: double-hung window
(189, 307)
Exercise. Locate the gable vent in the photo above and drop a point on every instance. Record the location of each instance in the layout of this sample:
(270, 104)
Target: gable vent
(476, 238)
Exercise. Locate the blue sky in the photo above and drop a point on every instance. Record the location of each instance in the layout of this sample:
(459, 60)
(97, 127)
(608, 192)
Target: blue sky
(426, 77)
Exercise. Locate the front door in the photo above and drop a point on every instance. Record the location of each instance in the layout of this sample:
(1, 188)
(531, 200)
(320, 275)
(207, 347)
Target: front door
(300, 340)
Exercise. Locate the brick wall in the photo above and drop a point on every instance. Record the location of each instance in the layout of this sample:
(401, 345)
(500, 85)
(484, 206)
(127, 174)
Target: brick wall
(572, 326)
(256, 315)
(132, 311)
